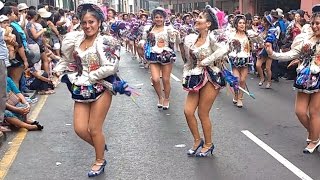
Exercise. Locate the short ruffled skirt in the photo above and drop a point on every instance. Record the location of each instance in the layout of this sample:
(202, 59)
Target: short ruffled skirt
(308, 75)
(309, 85)
(237, 62)
(194, 83)
(166, 57)
(85, 94)
(132, 37)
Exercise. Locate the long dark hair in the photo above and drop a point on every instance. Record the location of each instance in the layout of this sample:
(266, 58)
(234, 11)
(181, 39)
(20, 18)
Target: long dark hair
(237, 20)
(31, 14)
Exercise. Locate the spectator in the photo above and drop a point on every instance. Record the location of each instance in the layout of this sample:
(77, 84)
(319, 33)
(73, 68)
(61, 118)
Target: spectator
(3, 74)
(39, 80)
(35, 33)
(262, 56)
(23, 9)
(75, 24)
(9, 38)
(16, 71)
(17, 109)
(46, 22)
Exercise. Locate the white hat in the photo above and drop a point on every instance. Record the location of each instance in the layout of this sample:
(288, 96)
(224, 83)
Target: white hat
(44, 13)
(1, 5)
(22, 6)
(3, 18)
(280, 12)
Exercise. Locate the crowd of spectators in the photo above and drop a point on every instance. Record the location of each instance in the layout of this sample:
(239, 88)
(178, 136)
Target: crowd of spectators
(30, 41)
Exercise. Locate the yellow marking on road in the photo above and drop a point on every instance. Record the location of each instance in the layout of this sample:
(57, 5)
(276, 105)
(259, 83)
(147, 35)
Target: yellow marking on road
(13, 149)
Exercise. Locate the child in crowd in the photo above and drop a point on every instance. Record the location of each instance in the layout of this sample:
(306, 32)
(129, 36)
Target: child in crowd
(9, 37)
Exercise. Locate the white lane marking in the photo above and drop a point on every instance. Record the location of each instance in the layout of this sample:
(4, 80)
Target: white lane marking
(277, 156)
(175, 77)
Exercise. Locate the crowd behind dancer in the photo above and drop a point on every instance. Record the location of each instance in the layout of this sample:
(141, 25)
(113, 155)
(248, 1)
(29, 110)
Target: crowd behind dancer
(30, 47)
(211, 43)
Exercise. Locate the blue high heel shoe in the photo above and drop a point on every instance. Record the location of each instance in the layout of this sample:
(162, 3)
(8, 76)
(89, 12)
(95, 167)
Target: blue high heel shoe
(93, 173)
(193, 151)
(204, 154)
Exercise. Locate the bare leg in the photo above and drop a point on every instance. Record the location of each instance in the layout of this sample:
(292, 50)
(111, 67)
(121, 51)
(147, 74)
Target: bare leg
(243, 77)
(268, 68)
(301, 109)
(314, 111)
(18, 123)
(259, 63)
(98, 113)
(166, 72)
(208, 95)
(155, 74)
(134, 48)
(45, 63)
(81, 121)
(190, 107)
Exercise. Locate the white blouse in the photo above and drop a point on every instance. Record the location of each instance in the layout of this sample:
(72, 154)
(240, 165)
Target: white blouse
(212, 53)
(244, 47)
(298, 48)
(97, 61)
(162, 39)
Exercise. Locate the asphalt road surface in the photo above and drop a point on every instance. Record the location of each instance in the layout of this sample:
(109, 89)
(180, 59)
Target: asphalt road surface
(262, 141)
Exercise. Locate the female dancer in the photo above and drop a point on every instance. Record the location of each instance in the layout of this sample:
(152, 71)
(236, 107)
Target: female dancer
(160, 40)
(262, 57)
(86, 50)
(202, 77)
(306, 47)
(143, 20)
(111, 17)
(239, 56)
(186, 29)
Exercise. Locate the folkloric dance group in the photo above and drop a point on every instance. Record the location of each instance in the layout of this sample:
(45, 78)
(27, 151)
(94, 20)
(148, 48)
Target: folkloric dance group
(216, 53)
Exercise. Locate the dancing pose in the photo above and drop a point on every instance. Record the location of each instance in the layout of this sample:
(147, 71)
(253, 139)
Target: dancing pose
(95, 57)
(202, 77)
(159, 53)
(306, 47)
(143, 20)
(239, 56)
(263, 57)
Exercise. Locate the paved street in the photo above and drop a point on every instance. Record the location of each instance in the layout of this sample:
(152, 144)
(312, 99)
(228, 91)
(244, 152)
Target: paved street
(142, 139)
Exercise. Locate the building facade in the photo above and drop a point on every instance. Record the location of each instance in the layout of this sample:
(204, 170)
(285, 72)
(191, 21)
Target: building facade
(244, 6)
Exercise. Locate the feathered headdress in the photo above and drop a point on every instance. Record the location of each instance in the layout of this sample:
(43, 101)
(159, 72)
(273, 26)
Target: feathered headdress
(217, 15)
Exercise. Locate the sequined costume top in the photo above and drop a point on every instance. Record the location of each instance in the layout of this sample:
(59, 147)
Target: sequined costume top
(98, 61)
(163, 40)
(240, 47)
(209, 57)
(306, 48)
